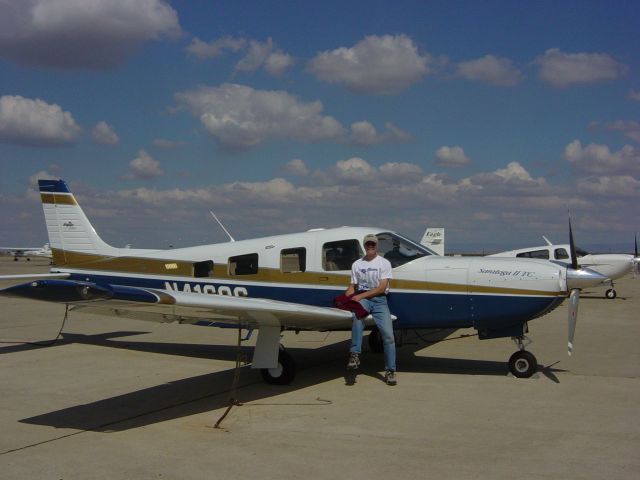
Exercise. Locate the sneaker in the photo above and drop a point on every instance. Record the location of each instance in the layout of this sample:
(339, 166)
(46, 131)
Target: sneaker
(390, 377)
(354, 361)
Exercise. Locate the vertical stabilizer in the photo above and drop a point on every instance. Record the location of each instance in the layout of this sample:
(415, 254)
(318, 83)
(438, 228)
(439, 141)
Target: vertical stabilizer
(433, 239)
(68, 227)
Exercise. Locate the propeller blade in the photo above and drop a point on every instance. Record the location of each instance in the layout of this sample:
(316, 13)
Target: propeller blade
(574, 299)
(572, 248)
(635, 237)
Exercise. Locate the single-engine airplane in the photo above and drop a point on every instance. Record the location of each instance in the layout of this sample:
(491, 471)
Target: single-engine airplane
(610, 265)
(288, 282)
(27, 252)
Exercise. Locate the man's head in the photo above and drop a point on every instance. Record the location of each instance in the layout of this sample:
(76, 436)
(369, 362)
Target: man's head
(370, 242)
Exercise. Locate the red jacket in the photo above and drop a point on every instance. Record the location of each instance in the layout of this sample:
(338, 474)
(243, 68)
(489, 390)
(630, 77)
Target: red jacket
(344, 302)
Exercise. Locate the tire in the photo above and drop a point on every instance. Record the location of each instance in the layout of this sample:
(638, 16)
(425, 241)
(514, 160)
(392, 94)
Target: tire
(283, 374)
(523, 364)
(611, 294)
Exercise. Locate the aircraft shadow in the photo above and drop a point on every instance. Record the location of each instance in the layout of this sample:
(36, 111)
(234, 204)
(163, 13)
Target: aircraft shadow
(205, 393)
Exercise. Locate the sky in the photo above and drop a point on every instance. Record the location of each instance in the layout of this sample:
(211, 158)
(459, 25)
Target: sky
(493, 119)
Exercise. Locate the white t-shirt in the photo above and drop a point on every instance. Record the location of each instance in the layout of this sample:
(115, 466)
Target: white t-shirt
(366, 275)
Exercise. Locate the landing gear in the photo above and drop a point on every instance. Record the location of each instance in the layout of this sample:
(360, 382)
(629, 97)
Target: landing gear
(522, 364)
(610, 294)
(284, 373)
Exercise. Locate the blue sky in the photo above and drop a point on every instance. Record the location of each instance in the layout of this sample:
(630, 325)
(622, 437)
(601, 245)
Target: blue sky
(490, 119)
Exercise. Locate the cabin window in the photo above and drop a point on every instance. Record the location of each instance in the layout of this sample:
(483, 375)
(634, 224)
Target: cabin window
(203, 269)
(542, 254)
(561, 254)
(293, 260)
(243, 264)
(340, 255)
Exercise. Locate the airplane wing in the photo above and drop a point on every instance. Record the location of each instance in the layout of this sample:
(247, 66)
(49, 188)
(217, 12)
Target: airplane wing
(184, 307)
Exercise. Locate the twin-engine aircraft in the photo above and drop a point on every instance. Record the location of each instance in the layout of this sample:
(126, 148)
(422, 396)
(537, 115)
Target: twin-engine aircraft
(27, 252)
(610, 265)
(287, 282)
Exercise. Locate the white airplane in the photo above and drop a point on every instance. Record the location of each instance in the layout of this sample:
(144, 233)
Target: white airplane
(27, 252)
(287, 282)
(433, 239)
(610, 265)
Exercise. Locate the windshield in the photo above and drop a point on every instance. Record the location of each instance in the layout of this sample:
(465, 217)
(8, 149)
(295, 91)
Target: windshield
(400, 250)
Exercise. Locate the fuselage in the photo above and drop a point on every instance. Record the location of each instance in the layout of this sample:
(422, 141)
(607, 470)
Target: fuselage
(427, 291)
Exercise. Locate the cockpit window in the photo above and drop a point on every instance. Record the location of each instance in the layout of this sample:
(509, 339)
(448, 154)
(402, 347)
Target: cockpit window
(542, 254)
(561, 254)
(400, 250)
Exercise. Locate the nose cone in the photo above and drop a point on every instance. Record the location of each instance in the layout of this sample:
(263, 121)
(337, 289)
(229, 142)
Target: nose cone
(583, 278)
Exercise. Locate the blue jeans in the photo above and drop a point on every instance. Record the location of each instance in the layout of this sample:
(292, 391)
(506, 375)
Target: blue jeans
(379, 310)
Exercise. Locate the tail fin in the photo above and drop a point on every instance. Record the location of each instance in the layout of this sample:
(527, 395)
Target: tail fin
(68, 227)
(433, 239)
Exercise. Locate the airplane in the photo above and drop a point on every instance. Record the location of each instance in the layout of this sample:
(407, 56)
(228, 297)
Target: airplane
(611, 265)
(27, 252)
(288, 282)
(433, 239)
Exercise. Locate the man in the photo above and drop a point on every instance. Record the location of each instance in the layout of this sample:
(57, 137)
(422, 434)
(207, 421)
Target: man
(369, 286)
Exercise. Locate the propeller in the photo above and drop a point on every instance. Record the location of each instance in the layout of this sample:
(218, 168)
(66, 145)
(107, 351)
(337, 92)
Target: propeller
(636, 258)
(574, 297)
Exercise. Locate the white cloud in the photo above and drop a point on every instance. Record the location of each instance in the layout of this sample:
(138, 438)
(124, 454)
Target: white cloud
(401, 170)
(491, 70)
(143, 167)
(615, 186)
(628, 128)
(103, 133)
(376, 65)
(265, 54)
(354, 169)
(24, 121)
(564, 69)
(239, 117)
(92, 34)
(514, 179)
(599, 159)
(451, 157)
(634, 95)
(365, 134)
(296, 167)
(215, 48)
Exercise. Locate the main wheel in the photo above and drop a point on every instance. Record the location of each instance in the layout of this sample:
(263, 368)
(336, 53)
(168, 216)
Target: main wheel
(375, 341)
(611, 293)
(523, 364)
(284, 373)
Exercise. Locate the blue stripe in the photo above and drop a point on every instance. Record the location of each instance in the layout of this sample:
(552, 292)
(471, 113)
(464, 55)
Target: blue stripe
(53, 186)
(413, 310)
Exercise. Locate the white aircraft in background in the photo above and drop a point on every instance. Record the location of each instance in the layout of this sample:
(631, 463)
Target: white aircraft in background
(610, 265)
(433, 239)
(288, 282)
(27, 252)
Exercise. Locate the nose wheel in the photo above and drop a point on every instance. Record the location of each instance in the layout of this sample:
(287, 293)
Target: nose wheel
(611, 294)
(522, 364)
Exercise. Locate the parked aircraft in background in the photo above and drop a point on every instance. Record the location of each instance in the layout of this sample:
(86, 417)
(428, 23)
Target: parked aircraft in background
(287, 282)
(610, 265)
(27, 252)
(433, 239)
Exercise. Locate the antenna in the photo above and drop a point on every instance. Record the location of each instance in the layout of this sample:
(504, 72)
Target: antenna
(221, 226)
(547, 240)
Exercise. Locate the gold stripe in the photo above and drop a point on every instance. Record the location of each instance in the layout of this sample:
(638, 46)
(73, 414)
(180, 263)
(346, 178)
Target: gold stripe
(268, 275)
(59, 199)
(66, 258)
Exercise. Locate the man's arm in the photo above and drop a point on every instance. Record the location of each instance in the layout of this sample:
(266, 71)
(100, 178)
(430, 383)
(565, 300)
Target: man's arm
(379, 290)
(350, 290)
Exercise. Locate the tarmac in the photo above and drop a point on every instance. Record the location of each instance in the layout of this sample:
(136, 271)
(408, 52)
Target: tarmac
(114, 398)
